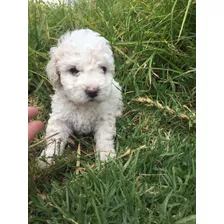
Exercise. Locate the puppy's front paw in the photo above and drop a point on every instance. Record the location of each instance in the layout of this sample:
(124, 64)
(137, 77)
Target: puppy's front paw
(106, 155)
(45, 162)
(46, 157)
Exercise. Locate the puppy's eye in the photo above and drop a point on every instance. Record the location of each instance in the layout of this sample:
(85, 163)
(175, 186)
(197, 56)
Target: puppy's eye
(104, 69)
(74, 70)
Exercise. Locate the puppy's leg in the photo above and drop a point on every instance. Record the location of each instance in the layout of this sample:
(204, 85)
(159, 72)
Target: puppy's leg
(57, 134)
(105, 132)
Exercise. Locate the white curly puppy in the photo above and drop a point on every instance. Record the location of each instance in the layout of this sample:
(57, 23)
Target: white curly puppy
(87, 98)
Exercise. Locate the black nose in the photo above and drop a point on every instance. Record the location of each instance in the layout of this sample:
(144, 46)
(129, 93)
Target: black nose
(92, 92)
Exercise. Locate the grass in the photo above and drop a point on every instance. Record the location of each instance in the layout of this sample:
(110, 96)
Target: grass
(153, 179)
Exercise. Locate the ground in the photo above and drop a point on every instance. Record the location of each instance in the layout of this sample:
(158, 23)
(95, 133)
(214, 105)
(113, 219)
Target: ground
(153, 178)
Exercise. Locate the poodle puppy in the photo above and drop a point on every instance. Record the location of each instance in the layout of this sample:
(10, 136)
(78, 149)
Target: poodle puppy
(87, 98)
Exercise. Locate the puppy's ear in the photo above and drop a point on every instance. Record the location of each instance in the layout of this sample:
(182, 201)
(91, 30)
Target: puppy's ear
(51, 69)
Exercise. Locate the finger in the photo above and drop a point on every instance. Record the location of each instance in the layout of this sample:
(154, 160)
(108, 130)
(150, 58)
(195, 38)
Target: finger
(32, 112)
(34, 127)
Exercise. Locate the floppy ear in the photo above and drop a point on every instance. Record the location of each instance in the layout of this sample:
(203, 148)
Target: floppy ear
(51, 69)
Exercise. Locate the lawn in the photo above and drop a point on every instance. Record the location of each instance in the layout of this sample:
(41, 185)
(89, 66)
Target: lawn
(152, 180)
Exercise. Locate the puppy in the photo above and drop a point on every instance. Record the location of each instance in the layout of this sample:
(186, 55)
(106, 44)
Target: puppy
(87, 99)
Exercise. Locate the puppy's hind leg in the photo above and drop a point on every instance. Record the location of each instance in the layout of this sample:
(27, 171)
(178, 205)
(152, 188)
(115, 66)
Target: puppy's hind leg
(57, 134)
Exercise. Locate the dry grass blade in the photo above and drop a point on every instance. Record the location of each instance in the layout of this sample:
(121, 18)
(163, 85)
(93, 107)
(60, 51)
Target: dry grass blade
(78, 160)
(43, 140)
(130, 151)
(126, 153)
(43, 196)
(166, 108)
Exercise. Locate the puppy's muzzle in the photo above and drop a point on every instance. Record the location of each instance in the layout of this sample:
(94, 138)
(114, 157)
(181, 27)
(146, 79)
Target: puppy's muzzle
(92, 92)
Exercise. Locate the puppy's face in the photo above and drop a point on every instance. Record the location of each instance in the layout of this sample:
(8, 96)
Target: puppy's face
(83, 66)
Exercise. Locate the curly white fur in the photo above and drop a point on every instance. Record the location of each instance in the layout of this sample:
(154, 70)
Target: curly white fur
(87, 98)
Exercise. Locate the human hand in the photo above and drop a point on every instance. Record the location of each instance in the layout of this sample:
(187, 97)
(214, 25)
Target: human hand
(34, 127)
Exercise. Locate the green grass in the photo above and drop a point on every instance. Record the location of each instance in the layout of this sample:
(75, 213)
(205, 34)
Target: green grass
(154, 45)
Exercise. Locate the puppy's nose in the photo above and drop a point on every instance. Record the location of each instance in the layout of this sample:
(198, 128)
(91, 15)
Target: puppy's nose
(92, 91)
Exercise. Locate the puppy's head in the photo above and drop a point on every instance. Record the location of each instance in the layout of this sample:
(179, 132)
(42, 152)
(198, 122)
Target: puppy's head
(82, 65)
